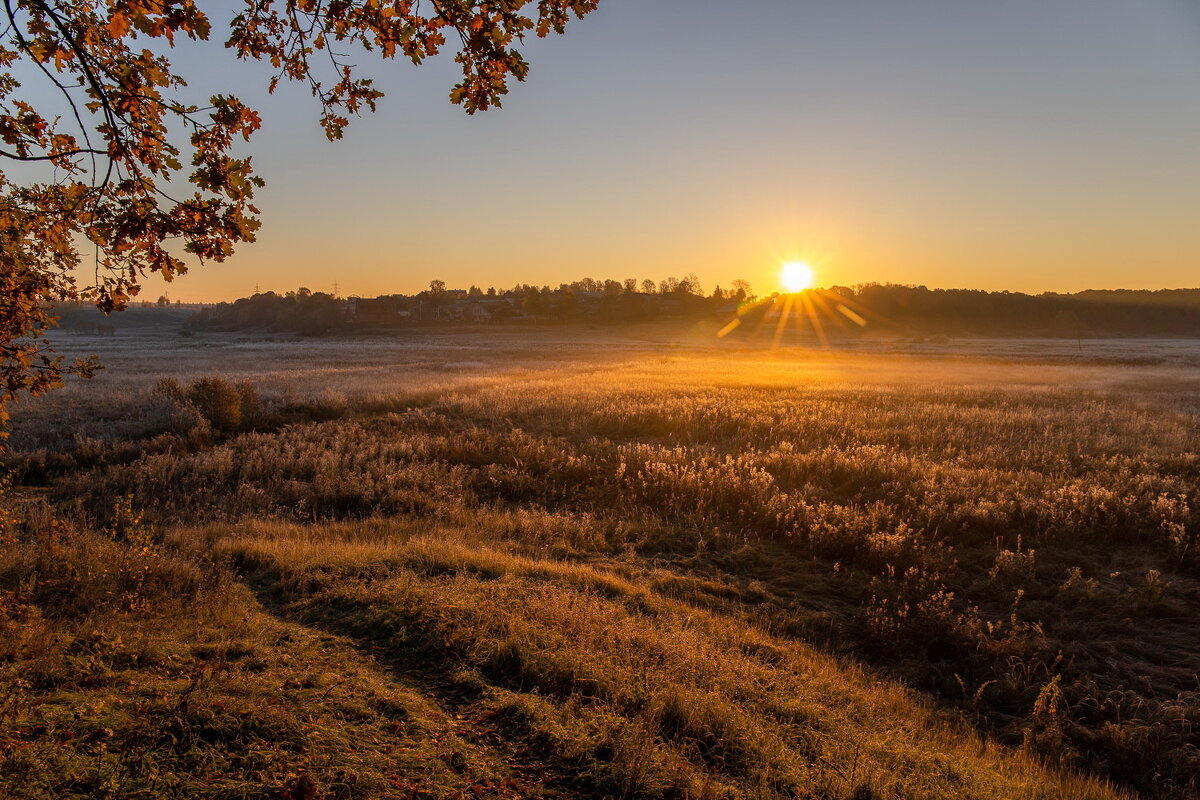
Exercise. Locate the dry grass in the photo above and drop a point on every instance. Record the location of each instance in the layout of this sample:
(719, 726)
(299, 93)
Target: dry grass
(156, 676)
(716, 573)
(654, 696)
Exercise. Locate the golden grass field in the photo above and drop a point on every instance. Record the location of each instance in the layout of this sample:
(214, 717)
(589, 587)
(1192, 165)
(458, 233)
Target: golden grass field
(571, 563)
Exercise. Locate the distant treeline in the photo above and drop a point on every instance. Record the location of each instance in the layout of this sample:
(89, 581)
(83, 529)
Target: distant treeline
(1118, 312)
(304, 312)
(314, 313)
(868, 309)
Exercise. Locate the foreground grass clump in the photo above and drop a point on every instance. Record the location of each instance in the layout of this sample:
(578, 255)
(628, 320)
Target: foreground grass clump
(129, 671)
(648, 694)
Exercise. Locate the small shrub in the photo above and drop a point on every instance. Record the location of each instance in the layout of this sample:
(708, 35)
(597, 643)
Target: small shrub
(1077, 586)
(1152, 590)
(170, 388)
(128, 525)
(219, 402)
(210, 405)
(1014, 567)
(1173, 514)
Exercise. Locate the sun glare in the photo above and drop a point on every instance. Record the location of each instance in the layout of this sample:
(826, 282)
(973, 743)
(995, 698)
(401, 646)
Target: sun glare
(796, 276)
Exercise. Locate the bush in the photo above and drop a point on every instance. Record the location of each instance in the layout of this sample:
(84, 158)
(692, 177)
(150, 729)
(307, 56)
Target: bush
(225, 406)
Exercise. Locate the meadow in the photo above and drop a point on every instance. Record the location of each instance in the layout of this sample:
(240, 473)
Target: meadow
(577, 563)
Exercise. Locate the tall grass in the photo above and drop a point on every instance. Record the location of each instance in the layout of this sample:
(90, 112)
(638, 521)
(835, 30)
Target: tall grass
(655, 696)
(1022, 551)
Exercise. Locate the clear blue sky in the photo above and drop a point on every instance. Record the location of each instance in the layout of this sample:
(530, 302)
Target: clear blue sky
(1023, 144)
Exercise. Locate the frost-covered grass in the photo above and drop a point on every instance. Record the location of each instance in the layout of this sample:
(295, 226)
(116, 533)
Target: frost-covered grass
(674, 567)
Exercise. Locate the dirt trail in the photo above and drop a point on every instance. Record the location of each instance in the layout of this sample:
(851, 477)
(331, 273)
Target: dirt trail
(527, 769)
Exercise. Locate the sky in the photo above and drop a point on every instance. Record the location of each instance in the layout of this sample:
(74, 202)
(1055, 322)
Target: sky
(1029, 145)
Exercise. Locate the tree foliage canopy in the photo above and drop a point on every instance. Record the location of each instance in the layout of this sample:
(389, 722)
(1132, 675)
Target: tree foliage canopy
(127, 139)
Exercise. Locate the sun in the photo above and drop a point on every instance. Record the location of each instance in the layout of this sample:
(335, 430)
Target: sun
(796, 276)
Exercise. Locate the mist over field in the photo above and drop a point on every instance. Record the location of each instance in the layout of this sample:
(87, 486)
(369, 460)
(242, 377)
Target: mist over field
(570, 561)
